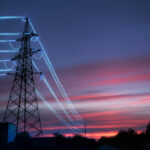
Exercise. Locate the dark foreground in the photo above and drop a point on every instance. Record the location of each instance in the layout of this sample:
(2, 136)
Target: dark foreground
(124, 140)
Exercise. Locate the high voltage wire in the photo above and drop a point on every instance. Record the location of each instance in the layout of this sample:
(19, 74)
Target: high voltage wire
(51, 69)
(2, 74)
(4, 41)
(10, 34)
(48, 86)
(49, 64)
(10, 17)
(68, 125)
(5, 70)
(23, 110)
(3, 60)
(9, 51)
(54, 95)
(47, 104)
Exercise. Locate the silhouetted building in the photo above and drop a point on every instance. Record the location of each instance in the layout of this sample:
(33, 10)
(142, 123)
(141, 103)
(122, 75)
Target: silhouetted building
(7, 133)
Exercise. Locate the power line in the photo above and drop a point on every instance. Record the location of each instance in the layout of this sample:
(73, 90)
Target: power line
(22, 107)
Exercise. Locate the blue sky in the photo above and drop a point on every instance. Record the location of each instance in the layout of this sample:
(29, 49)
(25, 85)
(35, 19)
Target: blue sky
(100, 49)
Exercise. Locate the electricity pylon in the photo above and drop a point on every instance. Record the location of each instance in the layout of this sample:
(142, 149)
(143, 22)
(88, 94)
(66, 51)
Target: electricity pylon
(22, 107)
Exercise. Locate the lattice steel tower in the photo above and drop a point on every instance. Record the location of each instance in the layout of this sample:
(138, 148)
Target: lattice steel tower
(22, 107)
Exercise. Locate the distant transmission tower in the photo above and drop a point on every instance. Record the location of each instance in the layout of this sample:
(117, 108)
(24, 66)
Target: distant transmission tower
(22, 107)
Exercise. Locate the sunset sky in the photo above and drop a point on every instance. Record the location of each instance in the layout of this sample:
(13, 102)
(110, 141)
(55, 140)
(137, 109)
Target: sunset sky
(100, 50)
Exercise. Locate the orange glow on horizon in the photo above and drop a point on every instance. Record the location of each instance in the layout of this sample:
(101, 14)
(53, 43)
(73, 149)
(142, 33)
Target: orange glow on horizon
(96, 135)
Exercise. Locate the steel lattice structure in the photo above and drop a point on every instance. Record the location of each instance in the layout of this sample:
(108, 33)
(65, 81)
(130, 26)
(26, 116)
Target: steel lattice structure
(22, 107)
(70, 116)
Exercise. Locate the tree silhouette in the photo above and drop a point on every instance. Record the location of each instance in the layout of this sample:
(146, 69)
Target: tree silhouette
(148, 129)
